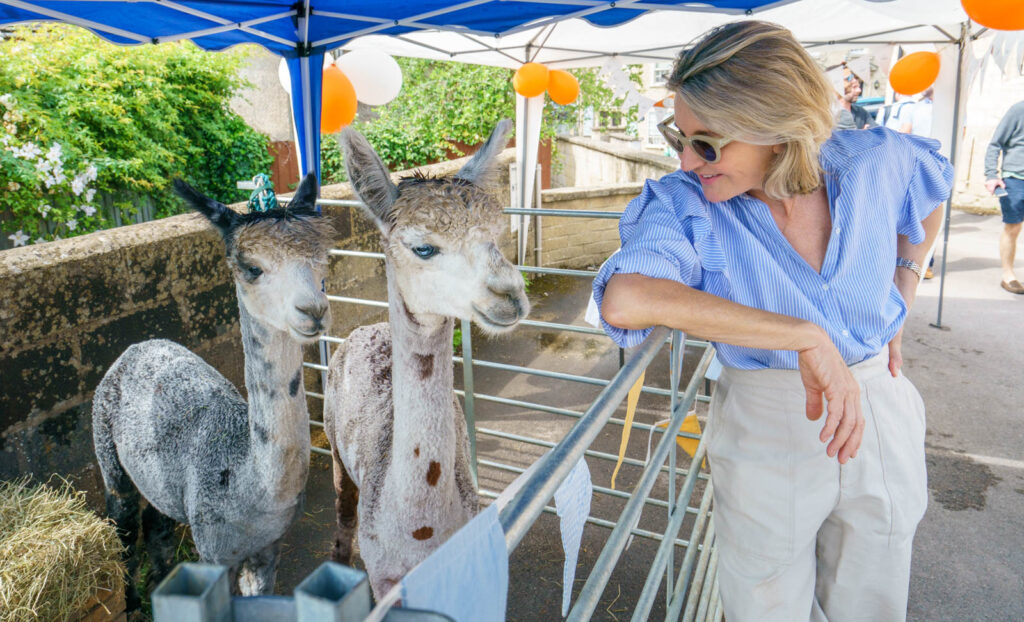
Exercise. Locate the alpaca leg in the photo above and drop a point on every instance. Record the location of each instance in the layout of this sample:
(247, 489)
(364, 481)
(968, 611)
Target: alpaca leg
(257, 573)
(158, 531)
(345, 504)
(122, 504)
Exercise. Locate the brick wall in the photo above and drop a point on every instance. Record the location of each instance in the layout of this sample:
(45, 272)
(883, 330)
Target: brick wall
(582, 242)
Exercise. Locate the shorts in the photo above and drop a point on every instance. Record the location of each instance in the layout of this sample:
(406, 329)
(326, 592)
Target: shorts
(1013, 203)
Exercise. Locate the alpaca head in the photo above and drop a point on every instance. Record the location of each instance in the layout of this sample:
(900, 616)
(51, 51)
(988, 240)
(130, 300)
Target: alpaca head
(441, 235)
(278, 258)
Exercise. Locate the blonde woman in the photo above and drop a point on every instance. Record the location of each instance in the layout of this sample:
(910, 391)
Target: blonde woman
(796, 249)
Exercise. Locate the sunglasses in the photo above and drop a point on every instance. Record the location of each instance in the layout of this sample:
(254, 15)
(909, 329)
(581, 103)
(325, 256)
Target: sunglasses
(707, 148)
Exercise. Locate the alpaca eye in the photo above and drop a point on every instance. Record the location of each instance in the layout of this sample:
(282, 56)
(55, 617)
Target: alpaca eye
(425, 251)
(253, 272)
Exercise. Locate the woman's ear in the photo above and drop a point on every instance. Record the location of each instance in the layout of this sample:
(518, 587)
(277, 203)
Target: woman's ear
(779, 148)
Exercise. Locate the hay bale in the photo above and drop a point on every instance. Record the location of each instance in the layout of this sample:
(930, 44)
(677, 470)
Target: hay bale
(55, 554)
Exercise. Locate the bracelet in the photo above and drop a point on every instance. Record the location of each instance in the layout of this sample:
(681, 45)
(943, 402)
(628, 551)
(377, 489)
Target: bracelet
(913, 266)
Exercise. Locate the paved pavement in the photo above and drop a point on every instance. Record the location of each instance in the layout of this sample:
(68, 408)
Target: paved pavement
(969, 552)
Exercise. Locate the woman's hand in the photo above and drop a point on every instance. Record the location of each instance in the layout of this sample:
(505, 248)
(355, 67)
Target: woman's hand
(824, 372)
(896, 354)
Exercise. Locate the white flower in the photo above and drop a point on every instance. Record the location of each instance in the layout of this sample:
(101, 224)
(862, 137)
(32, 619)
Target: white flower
(90, 173)
(58, 176)
(50, 181)
(38, 240)
(27, 151)
(72, 224)
(14, 186)
(43, 166)
(19, 238)
(78, 185)
(6, 100)
(88, 209)
(54, 153)
(89, 194)
(44, 209)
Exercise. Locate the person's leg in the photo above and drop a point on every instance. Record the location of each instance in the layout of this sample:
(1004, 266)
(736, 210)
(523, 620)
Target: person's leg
(864, 547)
(774, 485)
(1012, 206)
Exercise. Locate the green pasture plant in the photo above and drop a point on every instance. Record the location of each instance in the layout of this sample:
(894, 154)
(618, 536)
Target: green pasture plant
(117, 123)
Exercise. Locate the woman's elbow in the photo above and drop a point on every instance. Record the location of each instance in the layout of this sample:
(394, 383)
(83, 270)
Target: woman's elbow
(621, 306)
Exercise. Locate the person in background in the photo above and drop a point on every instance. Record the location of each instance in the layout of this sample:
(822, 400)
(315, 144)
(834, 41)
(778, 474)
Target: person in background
(796, 251)
(850, 116)
(1008, 140)
(898, 115)
(921, 119)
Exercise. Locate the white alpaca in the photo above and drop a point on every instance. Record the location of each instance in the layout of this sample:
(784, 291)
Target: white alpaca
(169, 426)
(396, 428)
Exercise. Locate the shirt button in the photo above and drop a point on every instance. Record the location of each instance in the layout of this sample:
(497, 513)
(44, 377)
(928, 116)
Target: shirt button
(846, 333)
(825, 286)
(838, 229)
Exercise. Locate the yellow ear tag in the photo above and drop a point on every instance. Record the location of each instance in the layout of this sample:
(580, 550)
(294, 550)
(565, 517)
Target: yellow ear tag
(631, 400)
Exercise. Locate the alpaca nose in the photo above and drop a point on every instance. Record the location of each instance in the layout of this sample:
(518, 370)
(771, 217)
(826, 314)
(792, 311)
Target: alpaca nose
(316, 312)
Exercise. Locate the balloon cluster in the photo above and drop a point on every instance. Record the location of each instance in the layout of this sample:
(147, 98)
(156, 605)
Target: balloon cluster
(367, 76)
(532, 79)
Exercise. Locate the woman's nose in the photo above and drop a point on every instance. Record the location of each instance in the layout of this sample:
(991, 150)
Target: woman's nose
(688, 160)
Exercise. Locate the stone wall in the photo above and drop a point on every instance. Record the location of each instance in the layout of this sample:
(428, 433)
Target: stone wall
(582, 242)
(71, 307)
(586, 163)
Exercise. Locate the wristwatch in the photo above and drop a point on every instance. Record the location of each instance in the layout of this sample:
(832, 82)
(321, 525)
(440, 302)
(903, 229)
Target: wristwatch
(913, 266)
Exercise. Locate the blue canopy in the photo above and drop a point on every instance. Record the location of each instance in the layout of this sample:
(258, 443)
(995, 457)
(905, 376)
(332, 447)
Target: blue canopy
(302, 32)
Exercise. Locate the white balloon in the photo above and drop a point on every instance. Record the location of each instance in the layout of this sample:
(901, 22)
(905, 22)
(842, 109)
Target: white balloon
(376, 77)
(285, 79)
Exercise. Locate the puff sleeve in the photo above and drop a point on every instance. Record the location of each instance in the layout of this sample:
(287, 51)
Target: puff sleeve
(931, 179)
(662, 232)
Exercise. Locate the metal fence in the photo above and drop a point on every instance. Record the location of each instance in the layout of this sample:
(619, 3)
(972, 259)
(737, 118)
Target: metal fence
(690, 586)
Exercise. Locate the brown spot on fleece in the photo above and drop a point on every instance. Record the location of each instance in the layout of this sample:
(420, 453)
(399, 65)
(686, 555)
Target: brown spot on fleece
(423, 533)
(416, 451)
(434, 473)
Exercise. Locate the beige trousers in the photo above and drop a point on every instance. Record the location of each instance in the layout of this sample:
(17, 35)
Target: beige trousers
(801, 537)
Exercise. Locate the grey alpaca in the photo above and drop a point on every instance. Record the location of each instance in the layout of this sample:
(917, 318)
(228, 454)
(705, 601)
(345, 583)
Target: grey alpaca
(399, 441)
(169, 426)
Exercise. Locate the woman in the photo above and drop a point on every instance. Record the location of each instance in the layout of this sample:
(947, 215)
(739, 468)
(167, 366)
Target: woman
(795, 250)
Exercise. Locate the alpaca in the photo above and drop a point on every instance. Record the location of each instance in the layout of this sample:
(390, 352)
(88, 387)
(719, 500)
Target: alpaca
(397, 432)
(168, 426)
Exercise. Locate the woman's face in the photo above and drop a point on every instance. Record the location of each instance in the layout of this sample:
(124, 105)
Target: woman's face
(742, 167)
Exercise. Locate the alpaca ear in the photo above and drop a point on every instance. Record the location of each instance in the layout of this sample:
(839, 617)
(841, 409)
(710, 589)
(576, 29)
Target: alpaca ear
(220, 216)
(480, 167)
(370, 178)
(304, 199)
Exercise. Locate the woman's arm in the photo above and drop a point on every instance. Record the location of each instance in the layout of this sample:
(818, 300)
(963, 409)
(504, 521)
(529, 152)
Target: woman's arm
(633, 301)
(907, 282)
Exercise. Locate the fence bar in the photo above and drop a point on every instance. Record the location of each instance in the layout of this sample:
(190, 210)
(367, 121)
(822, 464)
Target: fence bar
(661, 503)
(567, 213)
(663, 556)
(344, 253)
(698, 580)
(591, 593)
(675, 373)
(636, 425)
(711, 581)
(317, 450)
(358, 301)
(469, 411)
(527, 504)
(600, 522)
(562, 271)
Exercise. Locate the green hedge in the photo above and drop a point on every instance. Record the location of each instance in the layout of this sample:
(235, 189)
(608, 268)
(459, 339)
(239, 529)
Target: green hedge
(83, 119)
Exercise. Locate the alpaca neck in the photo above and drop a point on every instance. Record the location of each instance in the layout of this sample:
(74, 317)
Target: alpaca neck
(422, 377)
(278, 419)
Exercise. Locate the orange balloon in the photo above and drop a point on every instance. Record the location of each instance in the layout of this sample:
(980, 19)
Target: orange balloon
(337, 101)
(563, 87)
(530, 80)
(914, 72)
(996, 14)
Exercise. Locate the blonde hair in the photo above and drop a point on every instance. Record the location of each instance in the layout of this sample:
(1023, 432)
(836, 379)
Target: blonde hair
(753, 82)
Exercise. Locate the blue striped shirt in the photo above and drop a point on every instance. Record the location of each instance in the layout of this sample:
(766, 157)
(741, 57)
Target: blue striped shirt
(879, 184)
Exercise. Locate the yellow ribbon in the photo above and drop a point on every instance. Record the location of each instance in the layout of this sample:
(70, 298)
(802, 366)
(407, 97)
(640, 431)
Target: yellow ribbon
(631, 399)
